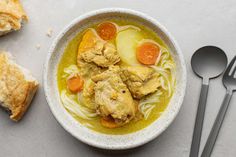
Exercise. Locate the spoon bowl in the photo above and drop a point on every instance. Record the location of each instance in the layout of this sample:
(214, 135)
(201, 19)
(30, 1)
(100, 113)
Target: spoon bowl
(209, 62)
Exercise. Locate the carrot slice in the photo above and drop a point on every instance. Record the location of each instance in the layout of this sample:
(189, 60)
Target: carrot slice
(147, 53)
(106, 30)
(108, 122)
(75, 84)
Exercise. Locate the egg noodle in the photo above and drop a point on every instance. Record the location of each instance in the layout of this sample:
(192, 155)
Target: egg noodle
(70, 100)
(166, 69)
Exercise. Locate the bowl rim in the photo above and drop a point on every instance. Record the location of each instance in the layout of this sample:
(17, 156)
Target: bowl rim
(139, 15)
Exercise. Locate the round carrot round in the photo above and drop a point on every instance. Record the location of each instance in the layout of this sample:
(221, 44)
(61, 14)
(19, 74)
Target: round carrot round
(75, 84)
(147, 53)
(106, 30)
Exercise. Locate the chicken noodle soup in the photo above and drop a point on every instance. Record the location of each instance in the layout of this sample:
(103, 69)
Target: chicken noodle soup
(116, 77)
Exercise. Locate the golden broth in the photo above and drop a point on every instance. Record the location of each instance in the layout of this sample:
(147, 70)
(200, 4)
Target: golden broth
(70, 57)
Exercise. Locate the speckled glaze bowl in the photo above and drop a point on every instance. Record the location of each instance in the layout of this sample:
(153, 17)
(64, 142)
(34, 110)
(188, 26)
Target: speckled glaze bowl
(89, 136)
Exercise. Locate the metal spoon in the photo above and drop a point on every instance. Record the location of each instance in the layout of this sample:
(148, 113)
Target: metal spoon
(207, 62)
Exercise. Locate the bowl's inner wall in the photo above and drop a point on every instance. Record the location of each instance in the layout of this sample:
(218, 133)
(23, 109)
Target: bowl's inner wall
(87, 135)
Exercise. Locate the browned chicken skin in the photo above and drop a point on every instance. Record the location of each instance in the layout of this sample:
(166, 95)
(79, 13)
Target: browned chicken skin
(112, 97)
(140, 81)
(103, 54)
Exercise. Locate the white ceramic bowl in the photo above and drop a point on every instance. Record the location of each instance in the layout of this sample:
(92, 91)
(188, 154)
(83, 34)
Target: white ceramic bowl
(89, 136)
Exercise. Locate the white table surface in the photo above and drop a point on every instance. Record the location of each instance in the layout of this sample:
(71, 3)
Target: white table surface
(194, 23)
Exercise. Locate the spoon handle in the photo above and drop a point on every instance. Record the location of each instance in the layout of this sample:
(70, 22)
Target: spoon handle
(216, 127)
(199, 120)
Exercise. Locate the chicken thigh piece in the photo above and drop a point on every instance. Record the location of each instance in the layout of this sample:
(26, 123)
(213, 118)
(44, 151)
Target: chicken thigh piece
(112, 97)
(93, 49)
(140, 80)
(103, 55)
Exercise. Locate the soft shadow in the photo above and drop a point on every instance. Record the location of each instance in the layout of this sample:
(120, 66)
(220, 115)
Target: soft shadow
(11, 35)
(5, 110)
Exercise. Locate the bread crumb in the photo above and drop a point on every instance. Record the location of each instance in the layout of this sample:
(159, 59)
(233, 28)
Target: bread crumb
(49, 32)
(38, 46)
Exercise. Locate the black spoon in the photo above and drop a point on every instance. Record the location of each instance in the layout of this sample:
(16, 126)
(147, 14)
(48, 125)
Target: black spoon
(207, 62)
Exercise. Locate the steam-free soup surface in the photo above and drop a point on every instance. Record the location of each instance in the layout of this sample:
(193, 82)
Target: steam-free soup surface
(161, 98)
